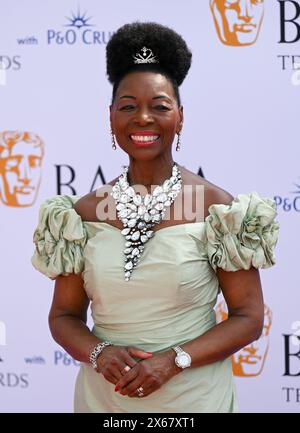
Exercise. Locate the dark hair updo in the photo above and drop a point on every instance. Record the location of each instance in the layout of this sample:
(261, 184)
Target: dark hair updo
(166, 45)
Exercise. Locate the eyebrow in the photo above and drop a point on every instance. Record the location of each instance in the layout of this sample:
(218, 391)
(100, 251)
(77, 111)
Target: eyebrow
(155, 97)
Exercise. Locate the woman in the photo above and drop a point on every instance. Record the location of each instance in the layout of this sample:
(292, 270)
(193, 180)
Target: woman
(153, 281)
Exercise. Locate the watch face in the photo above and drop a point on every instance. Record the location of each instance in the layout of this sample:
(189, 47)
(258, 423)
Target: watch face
(183, 360)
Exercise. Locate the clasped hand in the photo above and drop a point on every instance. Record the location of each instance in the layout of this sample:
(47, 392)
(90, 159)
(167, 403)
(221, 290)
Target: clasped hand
(150, 372)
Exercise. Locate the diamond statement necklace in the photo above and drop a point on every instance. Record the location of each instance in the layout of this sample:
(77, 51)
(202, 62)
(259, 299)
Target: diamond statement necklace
(140, 213)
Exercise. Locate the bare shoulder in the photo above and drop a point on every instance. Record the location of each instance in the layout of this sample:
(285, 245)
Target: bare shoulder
(86, 206)
(213, 194)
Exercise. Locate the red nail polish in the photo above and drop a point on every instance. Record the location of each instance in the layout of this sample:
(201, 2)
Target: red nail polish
(117, 388)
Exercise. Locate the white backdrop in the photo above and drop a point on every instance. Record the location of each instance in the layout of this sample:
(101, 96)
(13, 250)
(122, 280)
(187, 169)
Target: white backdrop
(241, 106)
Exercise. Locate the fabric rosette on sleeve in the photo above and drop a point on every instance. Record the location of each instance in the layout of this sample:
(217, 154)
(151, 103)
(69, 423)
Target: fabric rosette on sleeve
(59, 238)
(243, 233)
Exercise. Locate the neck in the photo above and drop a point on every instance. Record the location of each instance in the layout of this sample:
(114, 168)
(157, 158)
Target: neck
(148, 173)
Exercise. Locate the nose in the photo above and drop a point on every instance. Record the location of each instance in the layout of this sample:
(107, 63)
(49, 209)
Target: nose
(143, 117)
(251, 349)
(245, 11)
(24, 171)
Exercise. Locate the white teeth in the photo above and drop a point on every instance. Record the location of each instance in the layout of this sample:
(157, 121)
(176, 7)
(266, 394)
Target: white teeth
(144, 137)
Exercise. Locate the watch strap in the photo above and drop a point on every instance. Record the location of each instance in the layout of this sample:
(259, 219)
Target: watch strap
(177, 349)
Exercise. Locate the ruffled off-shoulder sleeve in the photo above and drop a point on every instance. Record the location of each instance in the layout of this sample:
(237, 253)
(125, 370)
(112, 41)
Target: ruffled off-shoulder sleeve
(59, 238)
(242, 234)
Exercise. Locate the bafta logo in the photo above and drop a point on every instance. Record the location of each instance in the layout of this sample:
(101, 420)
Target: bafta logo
(237, 22)
(21, 155)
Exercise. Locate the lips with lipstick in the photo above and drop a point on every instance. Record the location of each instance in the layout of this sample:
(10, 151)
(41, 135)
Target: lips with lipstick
(145, 138)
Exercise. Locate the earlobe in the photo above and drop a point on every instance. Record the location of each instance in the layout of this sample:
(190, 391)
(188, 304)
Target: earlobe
(181, 117)
(110, 117)
(181, 125)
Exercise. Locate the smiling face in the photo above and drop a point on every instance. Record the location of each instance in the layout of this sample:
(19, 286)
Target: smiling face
(237, 21)
(145, 115)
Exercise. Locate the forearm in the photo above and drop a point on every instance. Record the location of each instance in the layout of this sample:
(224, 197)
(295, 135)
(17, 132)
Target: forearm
(74, 336)
(220, 342)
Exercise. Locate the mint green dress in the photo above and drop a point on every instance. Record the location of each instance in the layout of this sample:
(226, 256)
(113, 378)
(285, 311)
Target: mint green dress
(169, 299)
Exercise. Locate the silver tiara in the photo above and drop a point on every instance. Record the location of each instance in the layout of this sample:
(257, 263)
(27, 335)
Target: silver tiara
(145, 56)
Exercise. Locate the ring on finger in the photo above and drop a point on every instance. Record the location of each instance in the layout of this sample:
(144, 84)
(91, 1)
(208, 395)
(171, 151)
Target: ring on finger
(126, 368)
(140, 391)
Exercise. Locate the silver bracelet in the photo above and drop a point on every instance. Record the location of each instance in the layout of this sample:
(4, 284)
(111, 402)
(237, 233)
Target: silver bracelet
(96, 352)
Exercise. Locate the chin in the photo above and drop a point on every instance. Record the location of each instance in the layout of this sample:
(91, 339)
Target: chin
(144, 154)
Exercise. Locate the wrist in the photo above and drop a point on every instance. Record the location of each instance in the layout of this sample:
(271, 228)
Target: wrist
(171, 355)
(95, 353)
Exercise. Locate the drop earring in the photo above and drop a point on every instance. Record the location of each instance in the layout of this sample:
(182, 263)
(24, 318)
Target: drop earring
(113, 140)
(178, 142)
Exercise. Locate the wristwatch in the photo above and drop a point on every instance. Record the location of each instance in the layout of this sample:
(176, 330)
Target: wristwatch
(183, 359)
